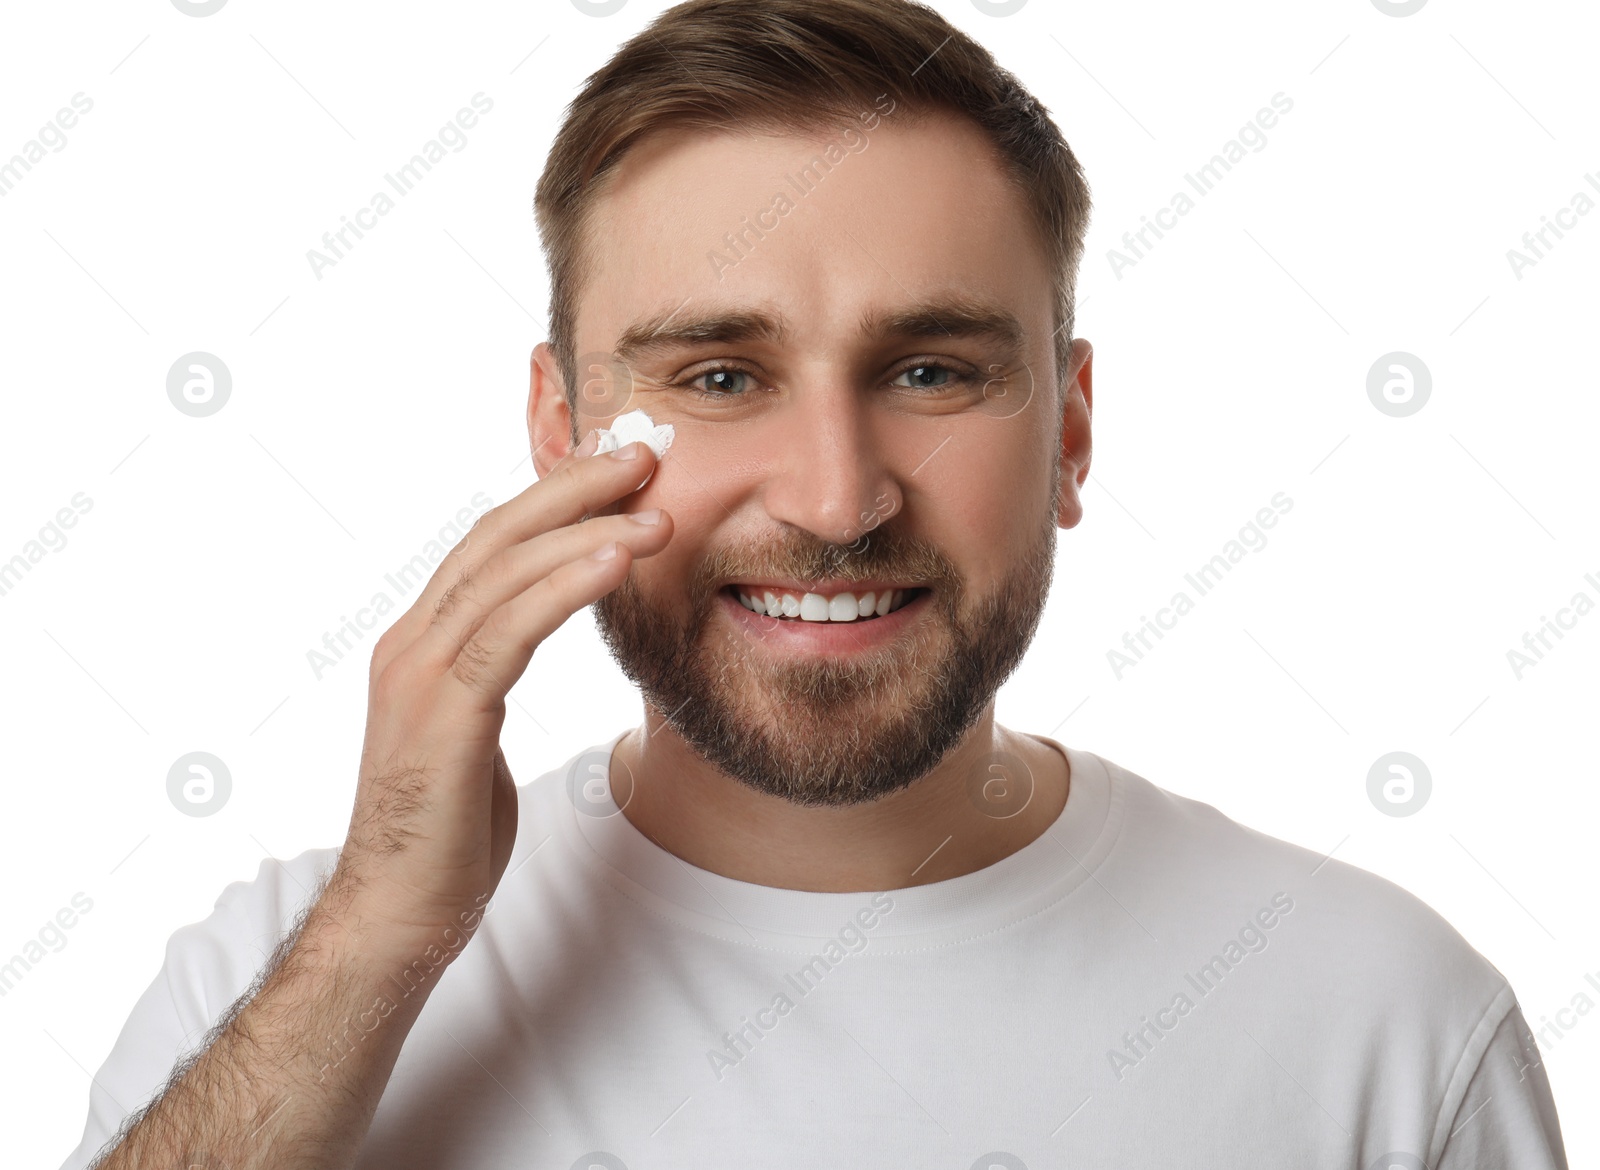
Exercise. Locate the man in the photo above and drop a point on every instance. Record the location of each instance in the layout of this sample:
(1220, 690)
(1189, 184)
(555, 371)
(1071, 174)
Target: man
(820, 908)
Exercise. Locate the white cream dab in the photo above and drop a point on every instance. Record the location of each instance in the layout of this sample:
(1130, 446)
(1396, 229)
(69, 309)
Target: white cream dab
(635, 427)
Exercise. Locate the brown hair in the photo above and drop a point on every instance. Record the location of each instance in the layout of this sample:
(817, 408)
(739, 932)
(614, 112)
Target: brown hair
(798, 65)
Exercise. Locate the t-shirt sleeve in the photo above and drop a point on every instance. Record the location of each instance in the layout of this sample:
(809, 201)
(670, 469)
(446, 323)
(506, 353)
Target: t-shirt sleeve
(208, 965)
(1508, 1116)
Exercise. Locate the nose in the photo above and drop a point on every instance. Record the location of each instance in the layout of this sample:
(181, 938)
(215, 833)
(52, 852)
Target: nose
(830, 474)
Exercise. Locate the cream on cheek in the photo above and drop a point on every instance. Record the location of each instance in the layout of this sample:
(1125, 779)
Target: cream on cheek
(635, 427)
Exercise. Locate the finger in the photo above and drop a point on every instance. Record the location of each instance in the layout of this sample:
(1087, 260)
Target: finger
(584, 448)
(585, 486)
(512, 571)
(496, 655)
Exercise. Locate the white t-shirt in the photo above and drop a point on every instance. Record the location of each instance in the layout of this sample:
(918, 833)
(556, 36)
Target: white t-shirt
(1146, 984)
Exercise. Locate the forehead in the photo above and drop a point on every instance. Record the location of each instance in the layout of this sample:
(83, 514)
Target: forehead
(828, 227)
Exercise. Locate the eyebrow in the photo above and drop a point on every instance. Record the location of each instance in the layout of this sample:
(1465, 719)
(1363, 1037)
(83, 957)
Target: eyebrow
(939, 318)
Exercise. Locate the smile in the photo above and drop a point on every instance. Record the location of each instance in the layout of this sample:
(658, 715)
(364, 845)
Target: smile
(842, 606)
(823, 623)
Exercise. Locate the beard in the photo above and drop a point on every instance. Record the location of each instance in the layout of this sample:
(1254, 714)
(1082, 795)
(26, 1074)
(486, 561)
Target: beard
(823, 730)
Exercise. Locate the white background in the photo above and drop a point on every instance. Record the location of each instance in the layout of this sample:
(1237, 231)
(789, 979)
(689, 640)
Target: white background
(369, 406)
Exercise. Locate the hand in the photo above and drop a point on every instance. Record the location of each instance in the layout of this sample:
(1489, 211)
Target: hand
(435, 812)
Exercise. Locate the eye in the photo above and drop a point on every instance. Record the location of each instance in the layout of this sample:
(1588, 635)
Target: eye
(725, 382)
(931, 376)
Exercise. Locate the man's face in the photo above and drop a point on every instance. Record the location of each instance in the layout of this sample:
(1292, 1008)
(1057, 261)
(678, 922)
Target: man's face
(926, 454)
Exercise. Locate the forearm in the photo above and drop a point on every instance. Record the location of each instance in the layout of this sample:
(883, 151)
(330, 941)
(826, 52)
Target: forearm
(291, 1076)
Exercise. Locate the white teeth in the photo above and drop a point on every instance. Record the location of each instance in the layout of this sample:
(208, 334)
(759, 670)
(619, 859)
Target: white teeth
(815, 607)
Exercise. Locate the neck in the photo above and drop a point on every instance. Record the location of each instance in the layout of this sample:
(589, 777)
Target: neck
(929, 831)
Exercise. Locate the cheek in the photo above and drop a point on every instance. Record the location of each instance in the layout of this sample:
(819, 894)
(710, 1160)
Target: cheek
(989, 498)
(712, 471)
(681, 486)
(670, 487)
(695, 514)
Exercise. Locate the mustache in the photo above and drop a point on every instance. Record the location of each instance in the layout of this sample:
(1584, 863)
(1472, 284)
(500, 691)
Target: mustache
(882, 553)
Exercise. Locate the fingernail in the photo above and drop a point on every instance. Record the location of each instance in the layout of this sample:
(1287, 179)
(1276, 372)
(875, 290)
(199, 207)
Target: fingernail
(605, 552)
(590, 442)
(653, 516)
(631, 451)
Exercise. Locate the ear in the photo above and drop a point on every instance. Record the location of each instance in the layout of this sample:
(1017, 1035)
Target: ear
(549, 419)
(1077, 405)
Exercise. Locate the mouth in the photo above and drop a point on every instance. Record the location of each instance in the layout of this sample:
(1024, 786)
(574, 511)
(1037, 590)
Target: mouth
(823, 607)
(823, 621)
